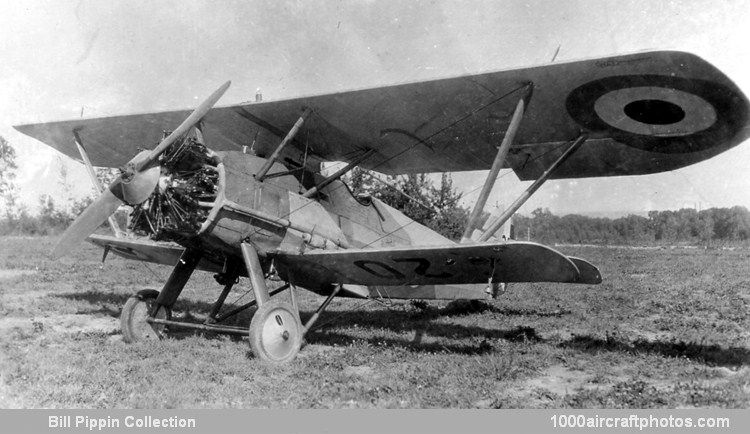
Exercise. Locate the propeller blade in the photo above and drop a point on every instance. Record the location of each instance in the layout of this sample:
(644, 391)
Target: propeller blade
(185, 126)
(134, 185)
(86, 223)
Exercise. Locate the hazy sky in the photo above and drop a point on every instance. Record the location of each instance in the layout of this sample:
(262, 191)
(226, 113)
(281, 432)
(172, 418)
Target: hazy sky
(58, 58)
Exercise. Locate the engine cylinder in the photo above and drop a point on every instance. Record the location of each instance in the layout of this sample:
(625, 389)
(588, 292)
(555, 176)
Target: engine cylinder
(183, 197)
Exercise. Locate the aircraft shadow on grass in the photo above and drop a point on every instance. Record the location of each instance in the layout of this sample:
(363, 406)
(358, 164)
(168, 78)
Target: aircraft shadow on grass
(421, 322)
(712, 355)
(111, 304)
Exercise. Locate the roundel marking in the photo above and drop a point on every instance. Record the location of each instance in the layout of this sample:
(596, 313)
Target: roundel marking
(655, 111)
(659, 113)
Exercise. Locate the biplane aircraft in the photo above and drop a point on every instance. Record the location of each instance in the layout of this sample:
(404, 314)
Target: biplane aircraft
(237, 190)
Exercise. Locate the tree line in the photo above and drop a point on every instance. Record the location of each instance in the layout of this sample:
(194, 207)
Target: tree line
(53, 217)
(713, 225)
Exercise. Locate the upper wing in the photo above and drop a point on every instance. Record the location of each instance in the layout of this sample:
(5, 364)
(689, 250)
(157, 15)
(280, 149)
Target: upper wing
(451, 264)
(645, 113)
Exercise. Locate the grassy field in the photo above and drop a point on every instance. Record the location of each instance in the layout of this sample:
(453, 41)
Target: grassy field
(667, 328)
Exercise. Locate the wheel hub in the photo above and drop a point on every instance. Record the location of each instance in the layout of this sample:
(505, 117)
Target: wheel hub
(134, 319)
(275, 332)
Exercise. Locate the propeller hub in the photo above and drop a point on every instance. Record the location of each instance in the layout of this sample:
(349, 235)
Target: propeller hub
(134, 187)
(127, 172)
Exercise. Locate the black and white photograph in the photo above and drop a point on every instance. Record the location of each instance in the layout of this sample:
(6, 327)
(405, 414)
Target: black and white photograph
(371, 204)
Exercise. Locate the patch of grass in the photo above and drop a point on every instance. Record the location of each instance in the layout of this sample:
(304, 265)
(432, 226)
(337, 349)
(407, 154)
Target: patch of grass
(666, 328)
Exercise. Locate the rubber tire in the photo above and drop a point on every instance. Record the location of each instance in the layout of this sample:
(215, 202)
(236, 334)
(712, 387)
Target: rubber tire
(133, 318)
(272, 318)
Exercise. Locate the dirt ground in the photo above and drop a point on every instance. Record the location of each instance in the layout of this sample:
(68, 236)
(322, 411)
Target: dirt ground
(667, 328)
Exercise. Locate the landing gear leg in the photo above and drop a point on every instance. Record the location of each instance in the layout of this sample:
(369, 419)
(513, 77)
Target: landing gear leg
(313, 319)
(179, 277)
(150, 304)
(228, 279)
(219, 303)
(275, 332)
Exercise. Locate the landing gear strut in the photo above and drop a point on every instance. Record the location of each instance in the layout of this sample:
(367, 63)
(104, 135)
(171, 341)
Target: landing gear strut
(146, 313)
(275, 333)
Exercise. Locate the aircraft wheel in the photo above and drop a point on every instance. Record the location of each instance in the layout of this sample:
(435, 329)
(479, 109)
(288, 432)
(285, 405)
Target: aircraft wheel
(134, 314)
(275, 332)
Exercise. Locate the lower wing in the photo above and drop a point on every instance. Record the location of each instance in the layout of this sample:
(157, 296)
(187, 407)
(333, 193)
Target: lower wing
(146, 250)
(436, 265)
